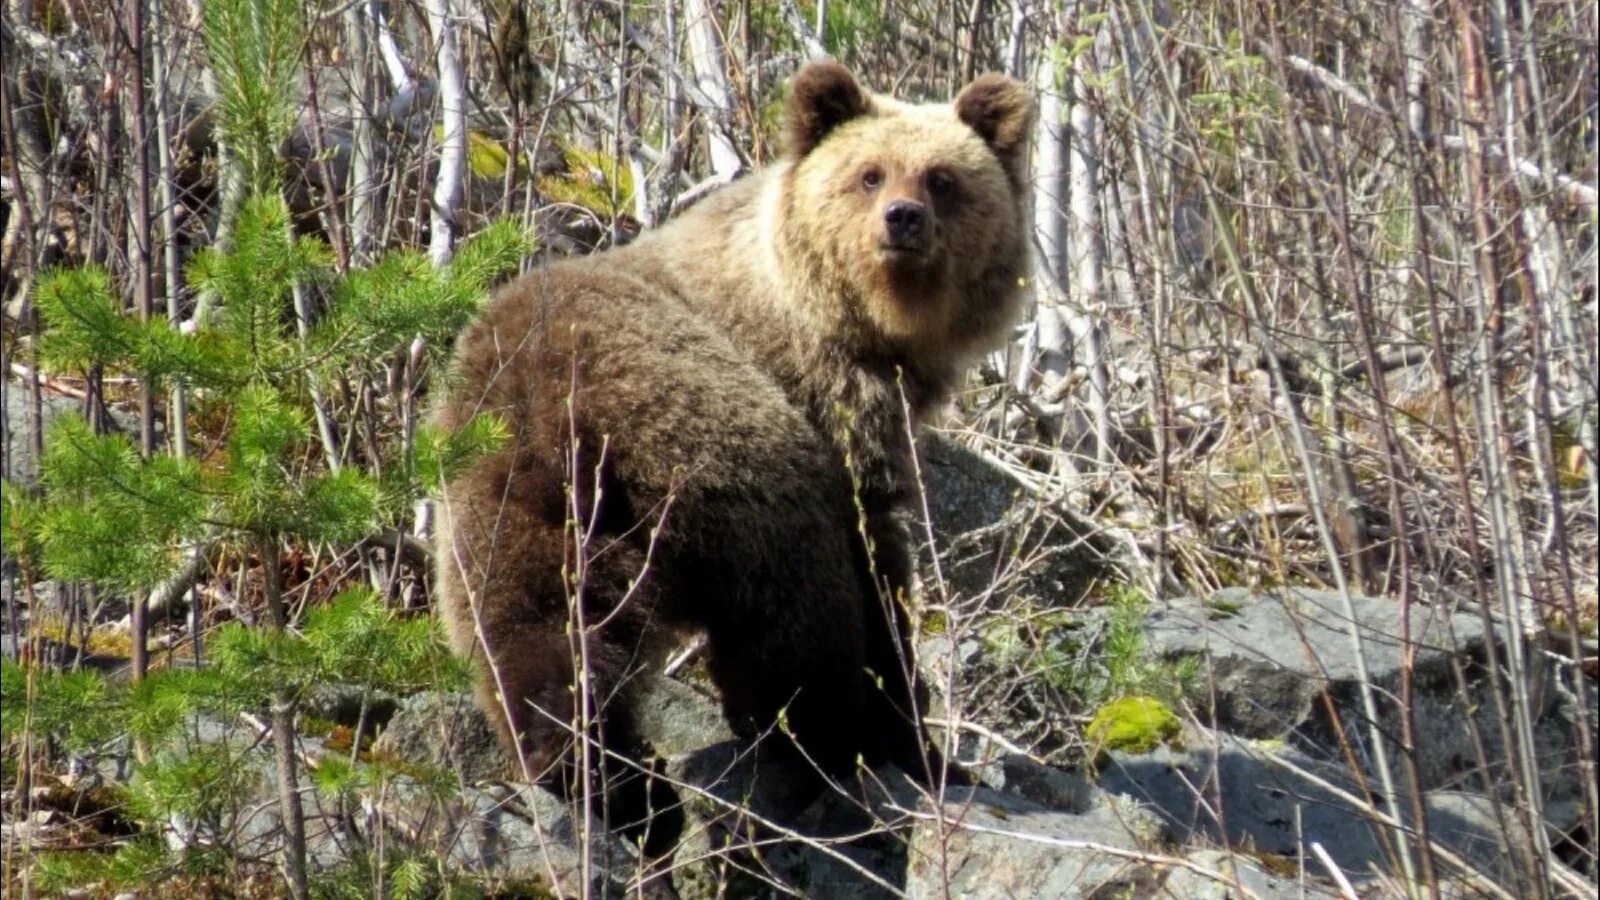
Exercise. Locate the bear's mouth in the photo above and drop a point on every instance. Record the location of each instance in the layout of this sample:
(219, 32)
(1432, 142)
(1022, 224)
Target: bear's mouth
(902, 251)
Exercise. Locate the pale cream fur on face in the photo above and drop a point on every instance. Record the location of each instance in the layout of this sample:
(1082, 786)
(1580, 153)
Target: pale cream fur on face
(907, 301)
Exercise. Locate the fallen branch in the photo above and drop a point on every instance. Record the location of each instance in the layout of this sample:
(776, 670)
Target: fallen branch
(694, 194)
(48, 382)
(1346, 890)
(169, 592)
(1389, 362)
(411, 548)
(990, 735)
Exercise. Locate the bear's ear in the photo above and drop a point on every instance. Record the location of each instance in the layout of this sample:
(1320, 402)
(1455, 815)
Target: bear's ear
(1000, 110)
(823, 96)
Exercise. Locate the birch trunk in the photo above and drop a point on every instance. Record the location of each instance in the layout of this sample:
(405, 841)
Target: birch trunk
(1052, 340)
(707, 59)
(360, 31)
(143, 283)
(394, 62)
(1086, 247)
(453, 147)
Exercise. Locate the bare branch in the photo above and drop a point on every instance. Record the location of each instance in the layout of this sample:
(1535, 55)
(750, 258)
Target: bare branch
(1573, 189)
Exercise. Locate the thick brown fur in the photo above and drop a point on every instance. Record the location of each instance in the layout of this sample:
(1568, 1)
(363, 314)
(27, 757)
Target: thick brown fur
(710, 430)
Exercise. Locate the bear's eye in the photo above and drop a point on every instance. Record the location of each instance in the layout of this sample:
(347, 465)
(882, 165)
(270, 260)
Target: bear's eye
(941, 183)
(872, 178)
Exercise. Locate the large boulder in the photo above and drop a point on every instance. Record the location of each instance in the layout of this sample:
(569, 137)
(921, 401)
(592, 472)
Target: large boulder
(994, 540)
(1269, 658)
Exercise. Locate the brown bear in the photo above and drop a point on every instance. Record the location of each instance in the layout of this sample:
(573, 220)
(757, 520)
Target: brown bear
(711, 431)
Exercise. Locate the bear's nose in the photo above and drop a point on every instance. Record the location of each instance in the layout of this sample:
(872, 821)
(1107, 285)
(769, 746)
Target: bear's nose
(906, 221)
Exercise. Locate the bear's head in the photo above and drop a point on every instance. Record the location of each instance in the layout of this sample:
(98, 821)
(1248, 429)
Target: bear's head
(905, 223)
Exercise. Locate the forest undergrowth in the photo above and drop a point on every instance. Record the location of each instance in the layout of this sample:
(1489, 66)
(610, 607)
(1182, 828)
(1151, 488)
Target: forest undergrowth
(1313, 305)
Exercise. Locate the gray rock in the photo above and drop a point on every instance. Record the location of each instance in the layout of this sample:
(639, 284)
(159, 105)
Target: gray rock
(1192, 885)
(1226, 791)
(342, 704)
(519, 837)
(875, 839)
(246, 817)
(1044, 861)
(1050, 787)
(1001, 846)
(1270, 657)
(258, 830)
(523, 838)
(675, 718)
(18, 449)
(449, 732)
(23, 466)
(733, 778)
(1199, 789)
(993, 539)
(446, 732)
(763, 827)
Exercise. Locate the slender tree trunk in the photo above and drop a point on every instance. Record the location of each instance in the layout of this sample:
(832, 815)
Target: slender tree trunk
(143, 279)
(283, 733)
(1087, 247)
(230, 175)
(24, 140)
(177, 420)
(394, 62)
(813, 39)
(707, 59)
(359, 31)
(1053, 342)
(453, 147)
(1016, 47)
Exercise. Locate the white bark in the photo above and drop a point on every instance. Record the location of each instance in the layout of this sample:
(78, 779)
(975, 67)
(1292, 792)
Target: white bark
(1051, 340)
(361, 31)
(230, 175)
(394, 62)
(453, 145)
(1015, 47)
(809, 37)
(1086, 247)
(1573, 189)
(710, 74)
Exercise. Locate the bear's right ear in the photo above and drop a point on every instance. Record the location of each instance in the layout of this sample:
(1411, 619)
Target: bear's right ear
(822, 96)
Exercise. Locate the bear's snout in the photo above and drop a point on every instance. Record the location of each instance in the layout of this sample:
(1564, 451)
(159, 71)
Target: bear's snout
(906, 222)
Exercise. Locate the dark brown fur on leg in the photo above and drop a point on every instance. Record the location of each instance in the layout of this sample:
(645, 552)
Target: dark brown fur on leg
(509, 566)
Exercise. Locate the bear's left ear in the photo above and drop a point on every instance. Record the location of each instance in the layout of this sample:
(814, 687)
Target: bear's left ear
(1000, 110)
(822, 96)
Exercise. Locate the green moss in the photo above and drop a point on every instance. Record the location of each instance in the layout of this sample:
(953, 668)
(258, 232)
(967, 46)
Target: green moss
(486, 158)
(1135, 724)
(1221, 609)
(588, 181)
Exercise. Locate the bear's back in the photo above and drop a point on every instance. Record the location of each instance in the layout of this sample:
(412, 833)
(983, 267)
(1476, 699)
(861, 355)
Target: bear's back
(684, 416)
